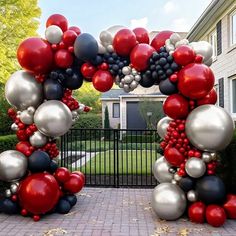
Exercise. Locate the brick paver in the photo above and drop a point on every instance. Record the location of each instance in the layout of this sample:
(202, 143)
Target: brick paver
(109, 211)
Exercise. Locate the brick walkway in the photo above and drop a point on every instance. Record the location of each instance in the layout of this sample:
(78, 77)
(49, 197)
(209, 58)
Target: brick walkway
(106, 212)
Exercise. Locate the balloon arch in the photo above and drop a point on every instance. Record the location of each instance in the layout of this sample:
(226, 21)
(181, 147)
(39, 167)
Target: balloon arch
(44, 109)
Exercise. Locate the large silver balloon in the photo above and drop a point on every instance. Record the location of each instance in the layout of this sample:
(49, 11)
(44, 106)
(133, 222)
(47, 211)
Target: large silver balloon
(22, 90)
(162, 126)
(38, 139)
(195, 167)
(114, 29)
(53, 118)
(161, 170)
(168, 201)
(209, 128)
(53, 34)
(13, 165)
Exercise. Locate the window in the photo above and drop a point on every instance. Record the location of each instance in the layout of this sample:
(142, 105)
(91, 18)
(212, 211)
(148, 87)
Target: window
(233, 97)
(233, 28)
(116, 110)
(213, 42)
(216, 86)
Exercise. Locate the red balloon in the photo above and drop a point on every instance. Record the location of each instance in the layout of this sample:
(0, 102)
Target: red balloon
(215, 215)
(74, 184)
(80, 174)
(173, 156)
(69, 37)
(176, 106)
(195, 80)
(196, 212)
(62, 174)
(141, 35)
(39, 193)
(35, 55)
(210, 98)
(230, 206)
(63, 58)
(124, 41)
(88, 70)
(140, 55)
(58, 20)
(160, 39)
(102, 81)
(184, 55)
(75, 29)
(24, 147)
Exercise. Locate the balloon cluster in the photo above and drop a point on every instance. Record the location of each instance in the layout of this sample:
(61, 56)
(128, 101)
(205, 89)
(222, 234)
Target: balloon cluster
(43, 110)
(192, 134)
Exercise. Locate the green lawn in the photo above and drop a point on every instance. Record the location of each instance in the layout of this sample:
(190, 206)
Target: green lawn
(130, 162)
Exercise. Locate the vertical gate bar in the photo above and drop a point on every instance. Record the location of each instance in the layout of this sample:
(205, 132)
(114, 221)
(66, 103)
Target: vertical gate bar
(132, 164)
(95, 134)
(72, 157)
(126, 157)
(114, 159)
(90, 157)
(109, 156)
(146, 152)
(105, 160)
(150, 176)
(85, 148)
(117, 156)
(141, 154)
(122, 157)
(100, 158)
(136, 150)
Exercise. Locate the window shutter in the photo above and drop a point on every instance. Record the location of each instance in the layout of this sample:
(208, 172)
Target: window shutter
(221, 92)
(219, 38)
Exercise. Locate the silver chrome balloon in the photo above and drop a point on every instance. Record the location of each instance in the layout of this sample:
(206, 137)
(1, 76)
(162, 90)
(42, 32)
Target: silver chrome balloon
(26, 117)
(209, 128)
(31, 110)
(14, 127)
(161, 170)
(172, 170)
(7, 193)
(13, 165)
(101, 48)
(177, 177)
(192, 196)
(174, 38)
(195, 167)
(126, 70)
(162, 126)
(114, 29)
(38, 139)
(53, 34)
(206, 157)
(133, 84)
(14, 187)
(22, 90)
(53, 118)
(168, 201)
(106, 38)
(110, 48)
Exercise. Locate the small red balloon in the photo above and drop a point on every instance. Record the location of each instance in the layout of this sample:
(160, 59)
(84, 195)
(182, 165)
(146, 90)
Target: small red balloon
(63, 58)
(140, 55)
(35, 55)
(176, 106)
(210, 98)
(39, 193)
(74, 184)
(196, 212)
(58, 20)
(160, 39)
(103, 66)
(88, 70)
(62, 174)
(124, 41)
(141, 35)
(215, 215)
(69, 37)
(183, 55)
(195, 80)
(173, 156)
(24, 212)
(80, 174)
(36, 218)
(24, 147)
(230, 206)
(75, 29)
(102, 81)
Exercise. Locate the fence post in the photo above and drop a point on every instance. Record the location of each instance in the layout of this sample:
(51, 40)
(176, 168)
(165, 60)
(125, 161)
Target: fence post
(116, 158)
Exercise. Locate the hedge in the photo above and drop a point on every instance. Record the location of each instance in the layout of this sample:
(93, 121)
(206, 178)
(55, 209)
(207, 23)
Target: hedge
(89, 121)
(8, 142)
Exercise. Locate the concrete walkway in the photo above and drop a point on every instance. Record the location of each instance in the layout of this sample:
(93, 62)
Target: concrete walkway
(118, 212)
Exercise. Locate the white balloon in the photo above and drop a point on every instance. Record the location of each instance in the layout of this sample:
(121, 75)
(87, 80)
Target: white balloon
(53, 34)
(110, 48)
(106, 38)
(181, 42)
(170, 47)
(174, 38)
(26, 117)
(101, 48)
(126, 70)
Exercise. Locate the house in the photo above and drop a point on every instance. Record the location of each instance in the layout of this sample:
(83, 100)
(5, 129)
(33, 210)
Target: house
(123, 108)
(217, 25)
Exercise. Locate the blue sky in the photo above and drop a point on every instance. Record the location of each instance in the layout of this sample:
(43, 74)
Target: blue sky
(93, 16)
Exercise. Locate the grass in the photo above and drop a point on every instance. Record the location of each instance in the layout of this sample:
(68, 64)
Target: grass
(130, 162)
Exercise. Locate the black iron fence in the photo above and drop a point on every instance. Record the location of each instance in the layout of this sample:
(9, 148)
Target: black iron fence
(111, 157)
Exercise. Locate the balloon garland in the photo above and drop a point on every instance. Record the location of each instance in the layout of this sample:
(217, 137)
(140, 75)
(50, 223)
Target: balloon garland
(44, 109)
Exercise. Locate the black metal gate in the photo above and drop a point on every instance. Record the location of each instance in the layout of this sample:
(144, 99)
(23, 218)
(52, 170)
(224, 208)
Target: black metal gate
(111, 157)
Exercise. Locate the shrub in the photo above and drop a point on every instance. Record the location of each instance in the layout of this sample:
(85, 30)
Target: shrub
(89, 121)
(8, 142)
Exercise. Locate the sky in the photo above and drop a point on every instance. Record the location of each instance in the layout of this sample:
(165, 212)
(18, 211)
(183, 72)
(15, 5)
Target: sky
(94, 16)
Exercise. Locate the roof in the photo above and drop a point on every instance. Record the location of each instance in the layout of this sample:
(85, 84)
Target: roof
(209, 17)
(116, 93)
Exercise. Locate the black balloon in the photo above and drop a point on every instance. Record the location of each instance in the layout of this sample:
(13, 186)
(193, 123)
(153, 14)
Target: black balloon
(211, 190)
(9, 207)
(39, 161)
(146, 80)
(187, 184)
(85, 47)
(167, 87)
(73, 82)
(53, 167)
(63, 206)
(72, 199)
(97, 60)
(52, 89)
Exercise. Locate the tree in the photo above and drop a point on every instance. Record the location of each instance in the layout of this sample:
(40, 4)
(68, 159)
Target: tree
(18, 20)
(106, 119)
